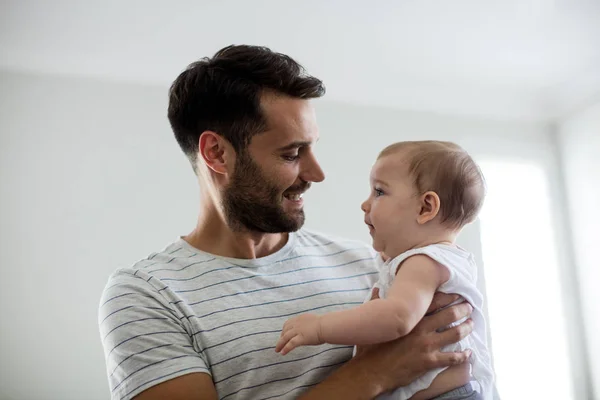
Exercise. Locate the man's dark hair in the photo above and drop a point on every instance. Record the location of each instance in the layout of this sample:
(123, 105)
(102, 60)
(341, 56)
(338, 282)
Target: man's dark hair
(222, 94)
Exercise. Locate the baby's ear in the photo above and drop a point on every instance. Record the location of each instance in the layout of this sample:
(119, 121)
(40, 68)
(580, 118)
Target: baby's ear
(430, 207)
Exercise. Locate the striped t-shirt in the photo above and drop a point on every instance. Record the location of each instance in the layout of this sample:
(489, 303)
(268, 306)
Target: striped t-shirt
(183, 310)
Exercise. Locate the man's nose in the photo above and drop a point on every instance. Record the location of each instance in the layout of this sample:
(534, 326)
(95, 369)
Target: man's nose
(313, 171)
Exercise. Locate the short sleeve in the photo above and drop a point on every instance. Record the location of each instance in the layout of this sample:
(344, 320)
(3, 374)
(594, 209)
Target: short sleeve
(144, 340)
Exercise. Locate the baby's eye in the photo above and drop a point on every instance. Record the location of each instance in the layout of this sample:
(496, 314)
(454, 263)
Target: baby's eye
(378, 192)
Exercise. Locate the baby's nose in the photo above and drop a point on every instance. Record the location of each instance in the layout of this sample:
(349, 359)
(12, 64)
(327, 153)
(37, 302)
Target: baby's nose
(365, 206)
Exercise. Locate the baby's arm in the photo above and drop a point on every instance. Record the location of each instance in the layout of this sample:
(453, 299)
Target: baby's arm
(376, 321)
(382, 320)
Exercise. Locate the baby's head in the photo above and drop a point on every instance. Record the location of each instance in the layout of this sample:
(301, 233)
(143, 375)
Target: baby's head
(421, 193)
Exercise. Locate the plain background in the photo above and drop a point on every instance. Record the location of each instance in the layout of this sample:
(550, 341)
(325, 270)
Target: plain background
(91, 178)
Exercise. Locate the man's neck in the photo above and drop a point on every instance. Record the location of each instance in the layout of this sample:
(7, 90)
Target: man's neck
(213, 235)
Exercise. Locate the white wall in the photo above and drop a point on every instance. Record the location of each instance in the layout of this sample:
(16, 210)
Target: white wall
(91, 180)
(352, 136)
(86, 173)
(579, 143)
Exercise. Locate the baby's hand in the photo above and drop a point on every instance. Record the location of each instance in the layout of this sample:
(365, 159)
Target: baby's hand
(302, 330)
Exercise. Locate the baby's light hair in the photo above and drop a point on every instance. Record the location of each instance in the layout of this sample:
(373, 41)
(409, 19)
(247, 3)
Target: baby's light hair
(448, 170)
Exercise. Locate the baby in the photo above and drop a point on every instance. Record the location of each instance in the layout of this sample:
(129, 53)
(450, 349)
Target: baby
(422, 195)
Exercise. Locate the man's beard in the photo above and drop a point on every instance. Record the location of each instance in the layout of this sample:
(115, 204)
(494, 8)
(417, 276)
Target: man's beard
(251, 202)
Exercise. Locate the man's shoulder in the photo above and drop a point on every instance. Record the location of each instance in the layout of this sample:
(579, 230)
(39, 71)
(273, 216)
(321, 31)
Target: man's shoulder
(144, 274)
(177, 256)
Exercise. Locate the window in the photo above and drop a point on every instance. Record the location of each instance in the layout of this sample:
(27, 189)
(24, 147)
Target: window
(526, 313)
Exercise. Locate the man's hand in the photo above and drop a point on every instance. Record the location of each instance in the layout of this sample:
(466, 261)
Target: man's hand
(441, 300)
(400, 362)
(302, 330)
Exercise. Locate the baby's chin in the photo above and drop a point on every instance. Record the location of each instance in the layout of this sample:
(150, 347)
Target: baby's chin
(376, 246)
(389, 252)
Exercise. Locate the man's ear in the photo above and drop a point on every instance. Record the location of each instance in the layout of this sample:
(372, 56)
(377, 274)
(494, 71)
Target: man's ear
(430, 207)
(217, 152)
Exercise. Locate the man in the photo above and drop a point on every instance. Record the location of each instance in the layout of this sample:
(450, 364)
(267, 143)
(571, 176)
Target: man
(200, 319)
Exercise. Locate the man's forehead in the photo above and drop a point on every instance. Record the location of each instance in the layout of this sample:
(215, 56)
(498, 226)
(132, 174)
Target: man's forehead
(284, 140)
(296, 144)
(276, 105)
(290, 122)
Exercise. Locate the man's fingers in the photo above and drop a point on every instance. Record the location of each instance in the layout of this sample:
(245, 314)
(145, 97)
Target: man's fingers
(445, 317)
(449, 359)
(441, 300)
(454, 334)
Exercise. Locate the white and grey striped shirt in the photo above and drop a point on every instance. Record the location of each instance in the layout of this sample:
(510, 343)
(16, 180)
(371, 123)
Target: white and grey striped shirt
(183, 310)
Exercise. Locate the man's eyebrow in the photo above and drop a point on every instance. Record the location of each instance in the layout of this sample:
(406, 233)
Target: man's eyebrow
(295, 145)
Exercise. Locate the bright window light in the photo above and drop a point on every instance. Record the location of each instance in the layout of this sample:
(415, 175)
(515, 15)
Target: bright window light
(526, 314)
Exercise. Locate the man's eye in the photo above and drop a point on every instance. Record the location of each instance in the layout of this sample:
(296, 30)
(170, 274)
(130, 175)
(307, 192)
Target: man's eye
(290, 157)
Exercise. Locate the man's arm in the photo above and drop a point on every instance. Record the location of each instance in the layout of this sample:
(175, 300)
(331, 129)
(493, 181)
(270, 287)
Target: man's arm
(197, 386)
(145, 342)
